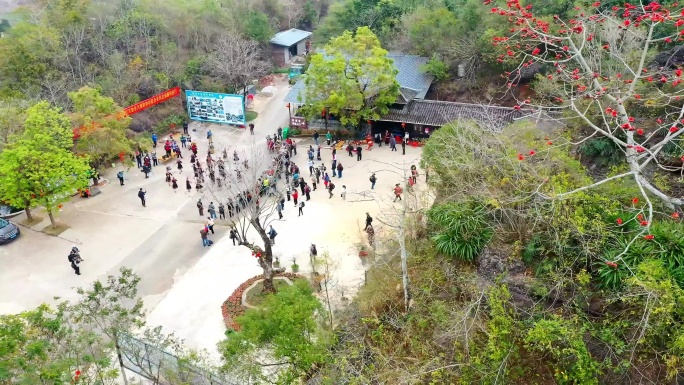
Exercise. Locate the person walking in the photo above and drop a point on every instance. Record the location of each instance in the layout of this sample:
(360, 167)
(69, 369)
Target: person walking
(205, 239)
(328, 138)
(200, 207)
(185, 128)
(295, 195)
(146, 170)
(315, 137)
(272, 234)
(358, 152)
(393, 143)
(233, 235)
(318, 152)
(331, 187)
(141, 195)
(314, 183)
(210, 224)
(301, 209)
(251, 128)
(120, 175)
(188, 186)
(313, 252)
(334, 167)
(280, 133)
(311, 167)
(339, 169)
(350, 149)
(138, 158)
(75, 259)
(155, 161)
(180, 165)
(279, 208)
(307, 192)
(184, 141)
(414, 173)
(154, 139)
(373, 179)
(403, 147)
(174, 184)
(387, 137)
(344, 192)
(397, 192)
(370, 232)
(212, 210)
(222, 211)
(369, 220)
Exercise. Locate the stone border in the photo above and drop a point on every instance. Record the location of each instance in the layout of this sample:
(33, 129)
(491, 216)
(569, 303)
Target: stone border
(232, 307)
(244, 293)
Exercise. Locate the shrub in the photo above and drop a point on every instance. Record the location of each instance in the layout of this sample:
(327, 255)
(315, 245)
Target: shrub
(462, 229)
(602, 150)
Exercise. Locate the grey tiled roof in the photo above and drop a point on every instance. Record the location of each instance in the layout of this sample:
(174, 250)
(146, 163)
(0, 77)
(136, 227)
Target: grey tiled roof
(411, 74)
(406, 95)
(438, 113)
(290, 37)
(413, 81)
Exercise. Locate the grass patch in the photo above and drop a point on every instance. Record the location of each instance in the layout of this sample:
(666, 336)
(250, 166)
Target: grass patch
(251, 115)
(29, 223)
(59, 228)
(256, 295)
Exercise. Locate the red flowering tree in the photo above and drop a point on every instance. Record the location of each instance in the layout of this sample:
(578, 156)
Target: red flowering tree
(600, 67)
(243, 186)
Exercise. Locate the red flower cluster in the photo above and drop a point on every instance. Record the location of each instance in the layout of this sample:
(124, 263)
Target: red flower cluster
(612, 264)
(675, 215)
(649, 237)
(619, 221)
(232, 307)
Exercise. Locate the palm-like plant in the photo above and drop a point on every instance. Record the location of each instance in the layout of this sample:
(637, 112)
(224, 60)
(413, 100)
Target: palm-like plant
(462, 229)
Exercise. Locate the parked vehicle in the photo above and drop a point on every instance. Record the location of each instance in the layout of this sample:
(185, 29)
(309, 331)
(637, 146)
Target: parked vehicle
(8, 231)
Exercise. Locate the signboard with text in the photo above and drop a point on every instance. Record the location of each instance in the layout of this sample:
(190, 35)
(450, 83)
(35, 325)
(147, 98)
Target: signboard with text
(298, 121)
(216, 108)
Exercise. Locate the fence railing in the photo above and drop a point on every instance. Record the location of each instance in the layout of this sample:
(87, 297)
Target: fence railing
(163, 368)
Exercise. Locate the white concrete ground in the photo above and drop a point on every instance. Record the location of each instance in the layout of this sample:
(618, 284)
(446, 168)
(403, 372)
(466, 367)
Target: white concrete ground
(183, 284)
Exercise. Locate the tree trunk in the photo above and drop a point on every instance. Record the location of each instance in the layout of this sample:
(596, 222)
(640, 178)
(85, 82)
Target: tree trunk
(52, 218)
(120, 357)
(266, 260)
(27, 209)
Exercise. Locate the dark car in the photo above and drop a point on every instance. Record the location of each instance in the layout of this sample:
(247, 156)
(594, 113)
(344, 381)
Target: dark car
(8, 231)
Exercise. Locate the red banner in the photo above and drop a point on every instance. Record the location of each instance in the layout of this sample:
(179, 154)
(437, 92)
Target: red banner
(153, 101)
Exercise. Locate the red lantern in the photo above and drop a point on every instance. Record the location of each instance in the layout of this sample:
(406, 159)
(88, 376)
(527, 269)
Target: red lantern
(403, 125)
(288, 105)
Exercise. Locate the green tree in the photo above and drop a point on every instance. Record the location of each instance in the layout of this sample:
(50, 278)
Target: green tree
(353, 79)
(257, 26)
(102, 126)
(39, 168)
(111, 307)
(12, 115)
(288, 325)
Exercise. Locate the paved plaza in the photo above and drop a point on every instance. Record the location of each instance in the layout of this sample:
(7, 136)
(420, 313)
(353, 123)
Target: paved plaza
(182, 283)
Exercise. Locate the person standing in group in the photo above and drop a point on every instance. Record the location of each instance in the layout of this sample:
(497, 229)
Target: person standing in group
(387, 137)
(138, 158)
(251, 128)
(397, 192)
(318, 152)
(272, 234)
(200, 207)
(344, 192)
(373, 179)
(279, 208)
(328, 137)
(393, 143)
(210, 224)
(295, 195)
(185, 127)
(301, 209)
(403, 147)
(315, 137)
(314, 183)
(222, 211)
(212, 210)
(311, 167)
(350, 149)
(203, 235)
(369, 220)
(154, 139)
(233, 235)
(414, 173)
(75, 259)
(280, 133)
(184, 141)
(334, 167)
(141, 195)
(155, 161)
(174, 184)
(339, 169)
(358, 152)
(120, 175)
(188, 186)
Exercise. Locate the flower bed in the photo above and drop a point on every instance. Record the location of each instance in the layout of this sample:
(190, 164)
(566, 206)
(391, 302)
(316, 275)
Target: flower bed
(232, 307)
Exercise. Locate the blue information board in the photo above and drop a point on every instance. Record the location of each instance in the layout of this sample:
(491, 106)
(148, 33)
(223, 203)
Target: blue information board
(216, 108)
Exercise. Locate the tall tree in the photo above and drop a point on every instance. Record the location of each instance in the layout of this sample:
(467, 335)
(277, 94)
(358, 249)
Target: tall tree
(39, 167)
(353, 79)
(238, 61)
(102, 126)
